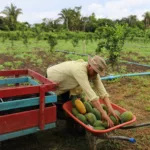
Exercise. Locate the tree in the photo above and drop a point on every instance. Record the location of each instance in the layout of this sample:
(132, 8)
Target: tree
(147, 19)
(92, 23)
(51, 25)
(65, 16)
(71, 18)
(112, 38)
(84, 21)
(132, 20)
(3, 23)
(12, 14)
(48, 24)
(104, 22)
(77, 18)
(23, 26)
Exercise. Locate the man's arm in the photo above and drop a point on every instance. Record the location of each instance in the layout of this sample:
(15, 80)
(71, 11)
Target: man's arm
(104, 95)
(83, 81)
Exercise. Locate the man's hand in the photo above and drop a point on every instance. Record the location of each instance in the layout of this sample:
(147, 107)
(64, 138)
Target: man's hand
(110, 109)
(109, 121)
(112, 112)
(97, 105)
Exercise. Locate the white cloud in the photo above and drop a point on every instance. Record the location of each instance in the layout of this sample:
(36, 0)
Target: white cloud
(2, 15)
(98, 9)
(120, 8)
(52, 15)
(35, 10)
(37, 16)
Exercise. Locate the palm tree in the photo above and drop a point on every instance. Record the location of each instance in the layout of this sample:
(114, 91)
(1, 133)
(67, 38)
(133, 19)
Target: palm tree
(84, 21)
(76, 18)
(71, 18)
(147, 19)
(12, 14)
(64, 16)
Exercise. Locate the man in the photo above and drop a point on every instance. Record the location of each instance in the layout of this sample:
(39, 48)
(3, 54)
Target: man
(71, 74)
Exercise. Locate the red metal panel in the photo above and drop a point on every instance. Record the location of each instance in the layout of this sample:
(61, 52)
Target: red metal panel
(17, 91)
(39, 77)
(42, 106)
(13, 72)
(50, 86)
(29, 72)
(24, 120)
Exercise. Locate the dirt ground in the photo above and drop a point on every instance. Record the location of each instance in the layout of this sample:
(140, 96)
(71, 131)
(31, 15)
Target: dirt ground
(132, 93)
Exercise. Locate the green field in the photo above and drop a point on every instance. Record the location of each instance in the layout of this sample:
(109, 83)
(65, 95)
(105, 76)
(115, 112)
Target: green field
(143, 49)
(132, 93)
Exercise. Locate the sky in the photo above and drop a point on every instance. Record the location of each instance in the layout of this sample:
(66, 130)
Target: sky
(35, 10)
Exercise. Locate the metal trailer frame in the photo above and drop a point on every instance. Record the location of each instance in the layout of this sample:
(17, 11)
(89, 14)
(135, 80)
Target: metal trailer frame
(29, 121)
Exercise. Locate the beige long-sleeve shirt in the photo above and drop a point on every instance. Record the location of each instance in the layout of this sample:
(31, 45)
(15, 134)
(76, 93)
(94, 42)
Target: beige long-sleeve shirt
(71, 74)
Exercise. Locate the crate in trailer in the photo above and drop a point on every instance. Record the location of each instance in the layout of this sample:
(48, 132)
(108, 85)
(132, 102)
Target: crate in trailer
(26, 103)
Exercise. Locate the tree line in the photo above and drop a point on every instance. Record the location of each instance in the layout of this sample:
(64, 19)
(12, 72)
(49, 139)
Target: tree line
(69, 19)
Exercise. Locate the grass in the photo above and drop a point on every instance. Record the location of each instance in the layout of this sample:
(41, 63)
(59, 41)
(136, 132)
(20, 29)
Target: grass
(142, 48)
(132, 93)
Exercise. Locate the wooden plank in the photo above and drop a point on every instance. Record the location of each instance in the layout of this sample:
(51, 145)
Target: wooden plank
(11, 135)
(13, 80)
(26, 102)
(27, 119)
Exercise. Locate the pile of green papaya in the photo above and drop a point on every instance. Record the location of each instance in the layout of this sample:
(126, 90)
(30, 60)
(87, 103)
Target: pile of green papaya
(91, 116)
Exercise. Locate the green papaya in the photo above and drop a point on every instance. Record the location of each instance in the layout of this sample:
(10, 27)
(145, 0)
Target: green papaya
(105, 124)
(91, 104)
(73, 98)
(97, 113)
(126, 116)
(104, 107)
(115, 121)
(82, 118)
(82, 99)
(75, 111)
(98, 123)
(91, 118)
(88, 107)
(117, 112)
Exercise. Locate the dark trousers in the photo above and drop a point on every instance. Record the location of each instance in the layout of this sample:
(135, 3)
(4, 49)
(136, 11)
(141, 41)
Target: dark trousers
(61, 99)
(72, 126)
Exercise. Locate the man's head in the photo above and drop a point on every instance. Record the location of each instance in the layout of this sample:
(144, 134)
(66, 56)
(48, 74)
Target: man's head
(97, 65)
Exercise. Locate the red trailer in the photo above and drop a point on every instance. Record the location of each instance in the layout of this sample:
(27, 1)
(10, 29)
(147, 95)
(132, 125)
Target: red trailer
(26, 103)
